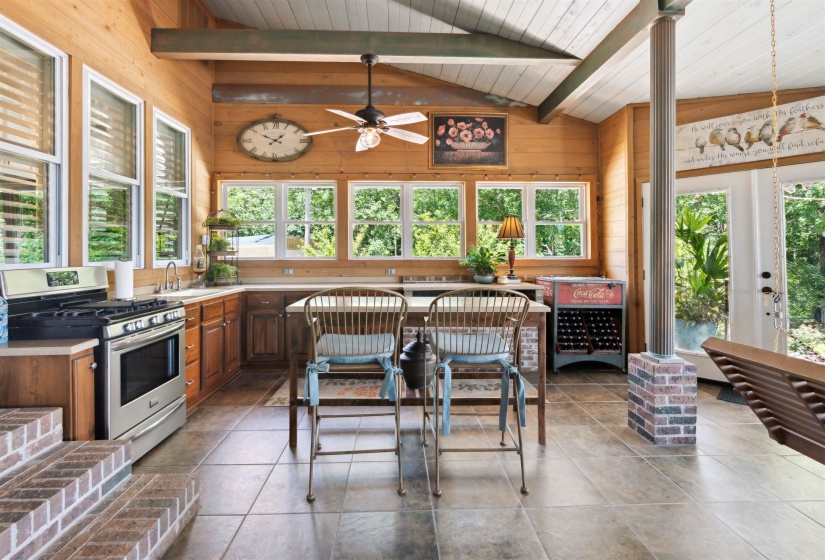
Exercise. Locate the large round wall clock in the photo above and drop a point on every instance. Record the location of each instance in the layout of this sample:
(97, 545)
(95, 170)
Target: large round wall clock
(274, 139)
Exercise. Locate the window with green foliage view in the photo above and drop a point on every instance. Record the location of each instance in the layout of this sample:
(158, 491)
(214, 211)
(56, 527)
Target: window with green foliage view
(552, 216)
(171, 168)
(31, 156)
(283, 220)
(406, 220)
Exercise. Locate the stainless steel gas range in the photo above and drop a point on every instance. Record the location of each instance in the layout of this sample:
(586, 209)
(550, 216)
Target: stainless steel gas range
(140, 380)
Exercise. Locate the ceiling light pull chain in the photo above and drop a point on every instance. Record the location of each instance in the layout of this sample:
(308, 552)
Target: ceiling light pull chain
(778, 317)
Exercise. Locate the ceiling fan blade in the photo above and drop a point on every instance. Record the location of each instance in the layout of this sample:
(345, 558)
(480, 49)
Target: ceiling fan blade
(405, 118)
(330, 130)
(406, 135)
(359, 146)
(347, 115)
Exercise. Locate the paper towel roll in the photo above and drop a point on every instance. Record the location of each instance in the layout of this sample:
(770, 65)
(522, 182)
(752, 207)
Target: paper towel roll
(124, 280)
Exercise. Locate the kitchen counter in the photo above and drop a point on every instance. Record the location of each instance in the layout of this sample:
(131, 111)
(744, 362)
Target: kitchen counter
(65, 347)
(195, 295)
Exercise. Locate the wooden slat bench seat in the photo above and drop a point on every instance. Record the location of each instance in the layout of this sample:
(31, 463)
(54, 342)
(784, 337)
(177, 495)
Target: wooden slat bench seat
(787, 394)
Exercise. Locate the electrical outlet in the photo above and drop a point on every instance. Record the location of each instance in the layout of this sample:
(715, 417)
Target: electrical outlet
(390, 272)
(287, 271)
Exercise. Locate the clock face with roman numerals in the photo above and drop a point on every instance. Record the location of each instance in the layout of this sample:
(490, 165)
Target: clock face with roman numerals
(274, 140)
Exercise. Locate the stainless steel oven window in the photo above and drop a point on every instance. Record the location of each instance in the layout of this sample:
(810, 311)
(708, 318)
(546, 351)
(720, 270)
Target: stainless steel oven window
(146, 368)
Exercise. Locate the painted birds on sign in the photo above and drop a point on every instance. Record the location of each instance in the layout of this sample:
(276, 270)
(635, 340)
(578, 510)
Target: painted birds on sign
(717, 137)
(752, 136)
(701, 143)
(810, 122)
(733, 138)
(786, 129)
(766, 133)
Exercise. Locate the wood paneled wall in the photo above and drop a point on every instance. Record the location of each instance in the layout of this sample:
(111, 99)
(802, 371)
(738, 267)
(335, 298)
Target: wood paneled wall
(624, 142)
(567, 148)
(112, 38)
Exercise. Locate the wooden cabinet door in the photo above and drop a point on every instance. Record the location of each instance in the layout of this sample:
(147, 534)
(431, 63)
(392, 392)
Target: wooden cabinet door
(232, 344)
(264, 335)
(212, 353)
(83, 397)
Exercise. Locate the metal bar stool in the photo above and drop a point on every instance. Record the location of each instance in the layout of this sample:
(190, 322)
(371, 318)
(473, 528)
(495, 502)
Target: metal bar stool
(353, 328)
(476, 326)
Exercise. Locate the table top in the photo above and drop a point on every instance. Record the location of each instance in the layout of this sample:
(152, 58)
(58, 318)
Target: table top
(419, 304)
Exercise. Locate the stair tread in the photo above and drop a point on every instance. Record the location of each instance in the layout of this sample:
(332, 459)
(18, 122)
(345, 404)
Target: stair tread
(25, 433)
(43, 496)
(139, 519)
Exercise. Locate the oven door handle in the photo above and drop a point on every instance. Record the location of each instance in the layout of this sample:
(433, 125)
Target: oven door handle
(131, 342)
(181, 402)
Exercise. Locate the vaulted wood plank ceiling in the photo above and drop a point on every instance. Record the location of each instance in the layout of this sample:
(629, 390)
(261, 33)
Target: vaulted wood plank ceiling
(723, 46)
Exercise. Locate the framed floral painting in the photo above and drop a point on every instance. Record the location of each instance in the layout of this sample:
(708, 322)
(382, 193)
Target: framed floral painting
(468, 140)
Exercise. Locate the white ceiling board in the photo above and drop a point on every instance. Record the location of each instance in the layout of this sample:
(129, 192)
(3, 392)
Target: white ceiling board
(722, 45)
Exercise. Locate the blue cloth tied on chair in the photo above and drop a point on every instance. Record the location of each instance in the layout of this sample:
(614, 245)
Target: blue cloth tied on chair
(383, 343)
(507, 370)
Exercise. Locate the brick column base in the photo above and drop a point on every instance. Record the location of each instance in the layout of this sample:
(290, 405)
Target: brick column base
(662, 399)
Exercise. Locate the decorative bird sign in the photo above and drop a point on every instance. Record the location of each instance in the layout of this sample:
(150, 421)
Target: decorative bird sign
(752, 136)
(786, 129)
(701, 143)
(766, 133)
(733, 138)
(717, 137)
(810, 122)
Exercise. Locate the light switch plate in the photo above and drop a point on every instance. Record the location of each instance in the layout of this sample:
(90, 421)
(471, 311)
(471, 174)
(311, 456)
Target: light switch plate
(287, 271)
(390, 272)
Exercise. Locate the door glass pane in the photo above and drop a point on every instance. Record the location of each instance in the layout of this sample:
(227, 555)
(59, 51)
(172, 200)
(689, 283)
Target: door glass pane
(805, 266)
(701, 269)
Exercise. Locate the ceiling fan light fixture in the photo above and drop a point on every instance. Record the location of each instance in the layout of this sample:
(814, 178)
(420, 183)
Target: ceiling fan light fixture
(370, 138)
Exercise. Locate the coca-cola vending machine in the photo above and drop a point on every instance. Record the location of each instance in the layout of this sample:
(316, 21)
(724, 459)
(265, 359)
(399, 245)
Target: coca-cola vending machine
(588, 320)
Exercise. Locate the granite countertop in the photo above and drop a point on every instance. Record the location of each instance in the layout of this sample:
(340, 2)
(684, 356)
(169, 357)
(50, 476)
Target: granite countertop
(195, 295)
(64, 347)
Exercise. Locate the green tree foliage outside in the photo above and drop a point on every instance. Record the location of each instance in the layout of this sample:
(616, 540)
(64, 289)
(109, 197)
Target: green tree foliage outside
(110, 215)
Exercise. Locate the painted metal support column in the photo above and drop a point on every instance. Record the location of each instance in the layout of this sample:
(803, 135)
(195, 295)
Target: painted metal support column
(662, 186)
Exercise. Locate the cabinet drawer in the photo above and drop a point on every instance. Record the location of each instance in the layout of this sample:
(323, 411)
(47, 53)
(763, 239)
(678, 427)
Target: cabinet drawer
(232, 304)
(193, 380)
(193, 315)
(264, 300)
(212, 310)
(193, 345)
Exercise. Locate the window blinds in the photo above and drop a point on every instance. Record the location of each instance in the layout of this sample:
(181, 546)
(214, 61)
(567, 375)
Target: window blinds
(112, 133)
(27, 101)
(170, 159)
(23, 209)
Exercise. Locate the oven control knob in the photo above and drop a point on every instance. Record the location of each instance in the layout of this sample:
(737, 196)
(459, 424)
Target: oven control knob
(129, 327)
(154, 320)
(177, 315)
(139, 324)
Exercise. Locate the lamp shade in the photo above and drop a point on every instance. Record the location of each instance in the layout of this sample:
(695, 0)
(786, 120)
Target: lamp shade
(511, 228)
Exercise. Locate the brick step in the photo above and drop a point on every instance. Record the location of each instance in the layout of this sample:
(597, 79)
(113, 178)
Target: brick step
(27, 432)
(45, 496)
(139, 520)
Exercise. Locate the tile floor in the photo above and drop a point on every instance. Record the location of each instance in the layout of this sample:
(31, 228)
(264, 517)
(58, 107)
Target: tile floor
(597, 490)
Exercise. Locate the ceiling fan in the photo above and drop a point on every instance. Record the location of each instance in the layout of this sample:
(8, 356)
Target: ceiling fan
(372, 123)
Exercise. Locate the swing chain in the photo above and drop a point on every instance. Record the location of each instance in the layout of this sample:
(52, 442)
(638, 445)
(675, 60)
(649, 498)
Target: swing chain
(778, 315)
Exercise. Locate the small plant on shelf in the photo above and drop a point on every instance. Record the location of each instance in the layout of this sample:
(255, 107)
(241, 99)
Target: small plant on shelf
(483, 262)
(221, 270)
(227, 220)
(218, 243)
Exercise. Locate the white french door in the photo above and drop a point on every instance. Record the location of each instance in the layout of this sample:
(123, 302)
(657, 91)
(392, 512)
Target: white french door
(749, 209)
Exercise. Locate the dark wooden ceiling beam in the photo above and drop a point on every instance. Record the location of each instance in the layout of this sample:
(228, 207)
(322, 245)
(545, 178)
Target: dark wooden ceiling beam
(348, 46)
(619, 43)
(337, 95)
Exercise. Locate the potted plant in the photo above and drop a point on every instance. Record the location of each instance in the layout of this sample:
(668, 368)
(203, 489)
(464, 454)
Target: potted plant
(482, 261)
(701, 280)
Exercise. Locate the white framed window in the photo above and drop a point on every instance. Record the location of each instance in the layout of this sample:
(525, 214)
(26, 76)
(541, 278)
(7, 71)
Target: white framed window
(406, 220)
(553, 215)
(283, 220)
(33, 150)
(172, 184)
(112, 172)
